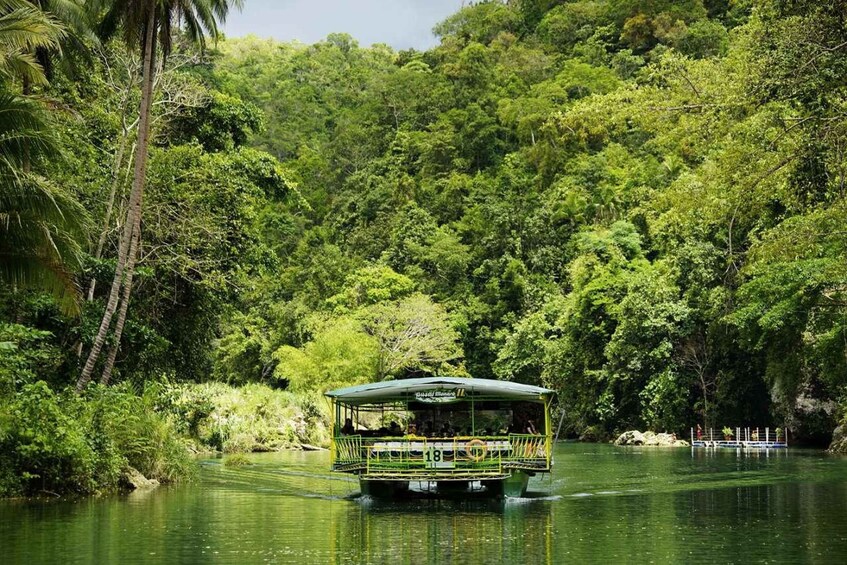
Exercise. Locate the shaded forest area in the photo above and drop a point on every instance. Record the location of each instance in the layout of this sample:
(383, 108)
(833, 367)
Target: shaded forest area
(637, 203)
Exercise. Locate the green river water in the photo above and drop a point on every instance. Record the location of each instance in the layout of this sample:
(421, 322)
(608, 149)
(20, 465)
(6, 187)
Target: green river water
(602, 504)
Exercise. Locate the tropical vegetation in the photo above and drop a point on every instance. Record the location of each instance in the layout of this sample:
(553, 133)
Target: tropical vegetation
(639, 204)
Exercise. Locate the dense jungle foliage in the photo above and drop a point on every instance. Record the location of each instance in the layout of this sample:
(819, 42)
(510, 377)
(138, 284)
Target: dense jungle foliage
(638, 203)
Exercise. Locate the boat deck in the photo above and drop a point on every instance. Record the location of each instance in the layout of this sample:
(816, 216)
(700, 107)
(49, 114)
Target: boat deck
(450, 459)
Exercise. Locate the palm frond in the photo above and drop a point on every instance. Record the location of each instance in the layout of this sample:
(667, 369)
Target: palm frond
(24, 130)
(27, 28)
(41, 224)
(23, 269)
(22, 65)
(77, 19)
(72, 14)
(40, 233)
(122, 17)
(199, 18)
(24, 29)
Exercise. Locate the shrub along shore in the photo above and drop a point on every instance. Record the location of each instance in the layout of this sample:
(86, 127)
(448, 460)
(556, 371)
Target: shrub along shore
(63, 444)
(59, 443)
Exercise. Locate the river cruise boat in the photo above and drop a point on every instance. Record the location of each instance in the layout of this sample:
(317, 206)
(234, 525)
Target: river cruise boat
(453, 434)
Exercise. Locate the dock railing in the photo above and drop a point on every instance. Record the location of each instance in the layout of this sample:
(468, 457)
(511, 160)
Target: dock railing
(740, 437)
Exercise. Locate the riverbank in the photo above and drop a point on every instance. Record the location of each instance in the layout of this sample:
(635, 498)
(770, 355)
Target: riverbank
(838, 445)
(217, 417)
(59, 443)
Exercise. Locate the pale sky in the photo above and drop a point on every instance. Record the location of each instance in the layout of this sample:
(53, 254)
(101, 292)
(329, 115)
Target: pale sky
(399, 23)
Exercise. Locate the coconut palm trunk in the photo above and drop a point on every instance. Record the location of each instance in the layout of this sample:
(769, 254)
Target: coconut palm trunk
(135, 199)
(134, 250)
(110, 204)
(154, 18)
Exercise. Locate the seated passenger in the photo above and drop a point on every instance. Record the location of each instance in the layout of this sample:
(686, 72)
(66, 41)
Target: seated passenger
(412, 431)
(426, 431)
(394, 429)
(348, 428)
(446, 430)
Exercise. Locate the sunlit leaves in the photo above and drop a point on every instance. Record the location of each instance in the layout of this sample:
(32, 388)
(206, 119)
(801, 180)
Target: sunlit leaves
(341, 354)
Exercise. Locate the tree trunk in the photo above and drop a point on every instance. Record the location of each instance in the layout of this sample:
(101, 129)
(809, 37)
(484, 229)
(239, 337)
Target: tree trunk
(706, 418)
(116, 175)
(26, 90)
(135, 199)
(127, 291)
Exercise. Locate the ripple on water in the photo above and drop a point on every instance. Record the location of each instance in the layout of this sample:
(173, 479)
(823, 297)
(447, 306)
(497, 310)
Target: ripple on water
(532, 499)
(286, 508)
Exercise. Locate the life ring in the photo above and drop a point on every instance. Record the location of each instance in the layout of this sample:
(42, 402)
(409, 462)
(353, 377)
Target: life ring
(476, 449)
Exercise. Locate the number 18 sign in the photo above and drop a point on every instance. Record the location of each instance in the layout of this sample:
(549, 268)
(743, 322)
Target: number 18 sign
(434, 459)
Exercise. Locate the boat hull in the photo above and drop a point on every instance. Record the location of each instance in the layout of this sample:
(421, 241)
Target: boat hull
(513, 485)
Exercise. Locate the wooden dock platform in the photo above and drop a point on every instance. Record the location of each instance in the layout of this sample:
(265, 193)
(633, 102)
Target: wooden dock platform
(731, 444)
(740, 438)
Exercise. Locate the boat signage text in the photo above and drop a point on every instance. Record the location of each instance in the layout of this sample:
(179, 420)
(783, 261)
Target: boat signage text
(439, 396)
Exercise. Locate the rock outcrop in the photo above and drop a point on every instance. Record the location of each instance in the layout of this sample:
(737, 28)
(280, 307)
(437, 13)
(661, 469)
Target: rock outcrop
(839, 440)
(310, 447)
(634, 437)
(132, 479)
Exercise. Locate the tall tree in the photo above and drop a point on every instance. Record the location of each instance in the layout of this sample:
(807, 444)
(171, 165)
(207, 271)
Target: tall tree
(148, 24)
(40, 223)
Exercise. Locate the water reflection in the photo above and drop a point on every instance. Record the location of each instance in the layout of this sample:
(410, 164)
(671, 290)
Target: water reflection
(602, 505)
(445, 531)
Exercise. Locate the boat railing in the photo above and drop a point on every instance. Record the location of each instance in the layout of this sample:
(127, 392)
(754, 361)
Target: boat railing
(528, 447)
(443, 456)
(346, 450)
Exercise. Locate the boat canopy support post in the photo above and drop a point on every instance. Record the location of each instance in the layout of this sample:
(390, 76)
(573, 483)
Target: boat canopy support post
(548, 430)
(559, 427)
(473, 417)
(336, 412)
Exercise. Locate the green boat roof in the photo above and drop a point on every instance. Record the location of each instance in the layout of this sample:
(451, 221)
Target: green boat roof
(405, 389)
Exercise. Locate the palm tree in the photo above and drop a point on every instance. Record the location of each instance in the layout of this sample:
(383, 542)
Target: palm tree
(24, 29)
(40, 224)
(148, 24)
(74, 19)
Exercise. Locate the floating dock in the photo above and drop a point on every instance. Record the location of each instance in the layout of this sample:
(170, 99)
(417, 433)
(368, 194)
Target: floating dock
(740, 438)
